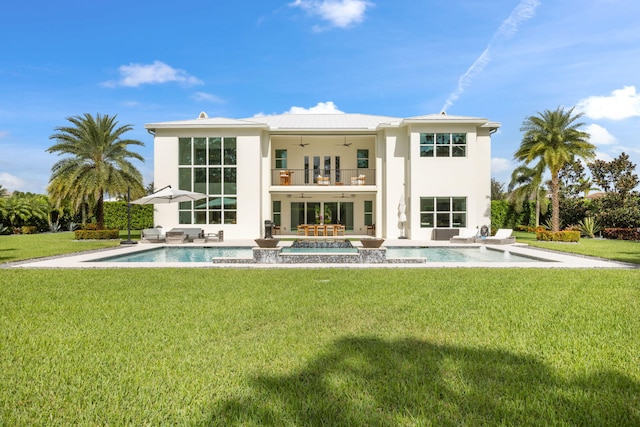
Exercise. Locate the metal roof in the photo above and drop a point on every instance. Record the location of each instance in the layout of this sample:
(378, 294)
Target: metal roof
(318, 122)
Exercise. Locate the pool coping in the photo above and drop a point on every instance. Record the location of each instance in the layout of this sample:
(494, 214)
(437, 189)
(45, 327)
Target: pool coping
(554, 259)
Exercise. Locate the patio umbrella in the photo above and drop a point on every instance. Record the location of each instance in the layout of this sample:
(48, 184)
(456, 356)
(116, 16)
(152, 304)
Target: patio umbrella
(169, 195)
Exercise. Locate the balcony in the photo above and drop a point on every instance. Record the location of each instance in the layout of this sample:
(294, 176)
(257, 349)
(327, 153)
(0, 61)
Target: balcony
(322, 177)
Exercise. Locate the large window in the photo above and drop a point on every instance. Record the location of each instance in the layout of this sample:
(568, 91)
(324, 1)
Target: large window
(208, 165)
(443, 212)
(443, 145)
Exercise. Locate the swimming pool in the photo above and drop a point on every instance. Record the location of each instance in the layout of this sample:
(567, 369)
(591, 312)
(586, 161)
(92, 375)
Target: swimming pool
(471, 254)
(431, 254)
(182, 254)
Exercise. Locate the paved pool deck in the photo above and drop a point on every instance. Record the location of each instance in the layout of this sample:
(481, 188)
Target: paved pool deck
(548, 259)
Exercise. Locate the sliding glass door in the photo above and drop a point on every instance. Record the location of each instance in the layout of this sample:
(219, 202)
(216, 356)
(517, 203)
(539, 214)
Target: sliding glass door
(326, 212)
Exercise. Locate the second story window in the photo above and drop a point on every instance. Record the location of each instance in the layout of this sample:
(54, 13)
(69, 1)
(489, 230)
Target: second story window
(362, 159)
(443, 145)
(281, 159)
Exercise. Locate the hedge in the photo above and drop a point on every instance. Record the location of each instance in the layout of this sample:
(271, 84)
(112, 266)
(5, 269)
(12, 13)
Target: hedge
(503, 214)
(558, 236)
(97, 234)
(115, 216)
(622, 233)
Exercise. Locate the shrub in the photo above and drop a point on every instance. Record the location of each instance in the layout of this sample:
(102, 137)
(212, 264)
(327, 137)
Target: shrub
(97, 234)
(116, 215)
(558, 236)
(622, 233)
(589, 227)
(504, 214)
(29, 229)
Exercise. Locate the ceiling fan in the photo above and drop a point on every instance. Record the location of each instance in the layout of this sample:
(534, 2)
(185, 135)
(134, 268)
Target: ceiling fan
(302, 144)
(345, 143)
(344, 197)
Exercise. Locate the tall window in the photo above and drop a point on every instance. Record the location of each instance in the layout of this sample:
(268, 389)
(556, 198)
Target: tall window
(281, 159)
(443, 145)
(208, 165)
(443, 212)
(277, 212)
(362, 157)
(368, 212)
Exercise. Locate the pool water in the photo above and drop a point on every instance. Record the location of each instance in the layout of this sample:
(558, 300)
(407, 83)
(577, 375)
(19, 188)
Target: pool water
(432, 254)
(181, 254)
(473, 254)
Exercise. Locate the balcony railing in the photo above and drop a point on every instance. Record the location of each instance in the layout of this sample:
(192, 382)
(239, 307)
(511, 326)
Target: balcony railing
(322, 177)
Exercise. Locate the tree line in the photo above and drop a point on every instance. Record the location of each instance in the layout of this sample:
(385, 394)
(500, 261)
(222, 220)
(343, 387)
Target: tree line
(554, 156)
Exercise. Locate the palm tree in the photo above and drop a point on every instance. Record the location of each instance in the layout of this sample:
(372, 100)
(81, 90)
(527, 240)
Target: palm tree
(99, 163)
(526, 184)
(554, 138)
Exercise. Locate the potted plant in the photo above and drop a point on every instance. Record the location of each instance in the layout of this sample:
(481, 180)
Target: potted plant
(371, 243)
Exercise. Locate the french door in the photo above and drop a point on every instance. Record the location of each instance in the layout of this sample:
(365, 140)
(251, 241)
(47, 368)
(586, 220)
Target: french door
(325, 166)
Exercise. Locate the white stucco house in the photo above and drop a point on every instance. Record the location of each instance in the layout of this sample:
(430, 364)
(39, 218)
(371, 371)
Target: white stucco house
(418, 177)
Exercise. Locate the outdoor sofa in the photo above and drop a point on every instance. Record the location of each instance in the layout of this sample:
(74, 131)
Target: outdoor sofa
(183, 235)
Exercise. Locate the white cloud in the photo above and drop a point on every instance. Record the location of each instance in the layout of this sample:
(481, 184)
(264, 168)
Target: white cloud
(11, 182)
(621, 104)
(499, 165)
(339, 13)
(208, 97)
(4, 133)
(599, 135)
(134, 75)
(320, 108)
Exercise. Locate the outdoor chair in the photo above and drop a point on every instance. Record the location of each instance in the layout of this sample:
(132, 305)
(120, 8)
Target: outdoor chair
(466, 235)
(153, 235)
(502, 237)
(176, 237)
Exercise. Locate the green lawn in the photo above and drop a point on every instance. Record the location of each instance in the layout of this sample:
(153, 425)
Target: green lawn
(317, 347)
(27, 246)
(617, 250)
(344, 347)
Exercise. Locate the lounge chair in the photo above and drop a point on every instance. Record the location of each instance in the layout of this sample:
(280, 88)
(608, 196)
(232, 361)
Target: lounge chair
(466, 235)
(153, 235)
(502, 237)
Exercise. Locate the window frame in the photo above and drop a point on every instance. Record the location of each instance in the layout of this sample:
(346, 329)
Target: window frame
(443, 212)
(213, 171)
(443, 144)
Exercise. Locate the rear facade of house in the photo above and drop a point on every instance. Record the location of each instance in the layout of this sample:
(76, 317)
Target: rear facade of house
(419, 177)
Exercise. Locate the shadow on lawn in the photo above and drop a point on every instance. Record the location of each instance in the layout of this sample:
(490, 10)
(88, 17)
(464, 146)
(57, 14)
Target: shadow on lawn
(373, 382)
(6, 254)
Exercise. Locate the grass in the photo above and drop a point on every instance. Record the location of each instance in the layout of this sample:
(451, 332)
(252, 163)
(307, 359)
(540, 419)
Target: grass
(319, 347)
(27, 246)
(617, 250)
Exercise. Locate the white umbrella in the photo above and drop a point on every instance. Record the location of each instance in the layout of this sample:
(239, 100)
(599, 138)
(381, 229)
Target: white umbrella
(402, 216)
(169, 195)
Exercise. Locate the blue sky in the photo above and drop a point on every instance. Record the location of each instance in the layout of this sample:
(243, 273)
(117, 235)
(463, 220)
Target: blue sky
(165, 60)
